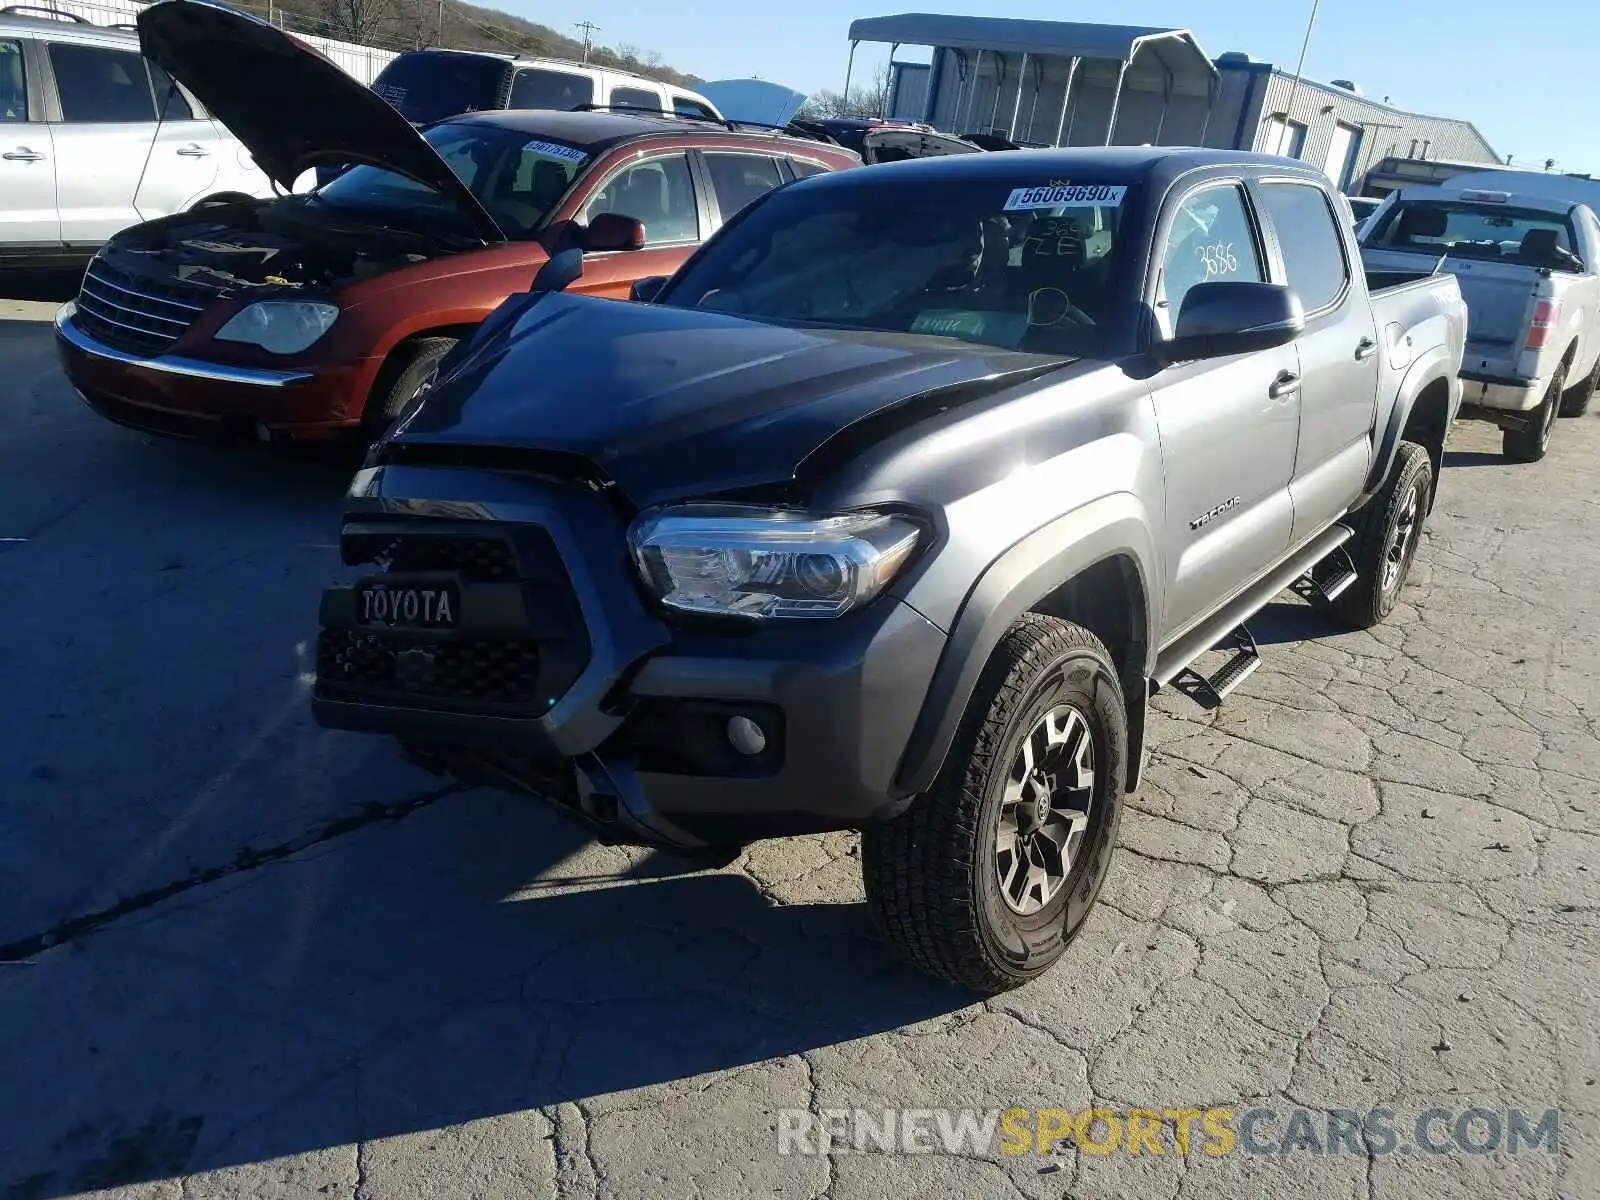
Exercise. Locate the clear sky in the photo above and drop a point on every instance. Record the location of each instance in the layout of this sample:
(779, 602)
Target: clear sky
(1520, 73)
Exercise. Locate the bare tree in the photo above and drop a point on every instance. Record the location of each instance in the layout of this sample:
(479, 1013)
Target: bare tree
(354, 20)
(867, 100)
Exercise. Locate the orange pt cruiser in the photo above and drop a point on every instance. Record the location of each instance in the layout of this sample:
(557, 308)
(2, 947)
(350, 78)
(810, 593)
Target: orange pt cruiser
(310, 315)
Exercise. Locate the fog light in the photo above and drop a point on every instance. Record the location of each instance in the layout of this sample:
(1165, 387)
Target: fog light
(263, 434)
(745, 736)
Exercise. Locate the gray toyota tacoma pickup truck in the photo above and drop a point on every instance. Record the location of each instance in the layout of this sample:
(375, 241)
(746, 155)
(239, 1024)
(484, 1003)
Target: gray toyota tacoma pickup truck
(891, 510)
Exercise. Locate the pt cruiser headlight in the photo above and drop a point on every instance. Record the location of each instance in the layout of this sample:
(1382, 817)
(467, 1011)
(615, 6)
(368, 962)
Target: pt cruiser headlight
(741, 560)
(279, 326)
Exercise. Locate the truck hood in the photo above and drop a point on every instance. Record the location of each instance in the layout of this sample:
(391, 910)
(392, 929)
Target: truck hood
(670, 403)
(289, 105)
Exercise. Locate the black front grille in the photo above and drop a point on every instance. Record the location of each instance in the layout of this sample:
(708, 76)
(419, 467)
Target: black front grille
(140, 316)
(493, 669)
(481, 559)
(481, 669)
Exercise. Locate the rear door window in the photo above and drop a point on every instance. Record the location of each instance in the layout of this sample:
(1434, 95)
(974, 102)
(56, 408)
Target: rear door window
(13, 83)
(686, 107)
(539, 87)
(97, 84)
(1308, 236)
(173, 104)
(658, 193)
(427, 86)
(738, 179)
(627, 97)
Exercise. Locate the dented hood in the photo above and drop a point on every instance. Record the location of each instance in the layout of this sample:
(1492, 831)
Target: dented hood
(291, 106)
(671, 403)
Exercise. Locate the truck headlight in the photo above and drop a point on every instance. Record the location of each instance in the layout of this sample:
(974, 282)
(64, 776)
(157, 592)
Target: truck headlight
(279, 326)
(747, 561)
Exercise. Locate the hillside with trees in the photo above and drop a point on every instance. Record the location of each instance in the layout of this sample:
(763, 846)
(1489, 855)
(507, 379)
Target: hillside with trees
(417, 24)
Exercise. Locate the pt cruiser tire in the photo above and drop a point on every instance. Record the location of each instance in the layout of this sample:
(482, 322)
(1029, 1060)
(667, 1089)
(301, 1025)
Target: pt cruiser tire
(987, 876)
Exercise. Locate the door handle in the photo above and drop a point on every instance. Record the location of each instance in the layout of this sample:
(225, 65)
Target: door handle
(194, 152)
(22, 154)
(1286, 384)
(1365, 349)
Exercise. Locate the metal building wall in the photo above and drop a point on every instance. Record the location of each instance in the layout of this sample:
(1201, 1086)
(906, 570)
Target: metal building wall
(961, 107)
(1383, 130)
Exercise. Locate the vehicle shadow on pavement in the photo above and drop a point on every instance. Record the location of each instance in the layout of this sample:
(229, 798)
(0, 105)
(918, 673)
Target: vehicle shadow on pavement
(1473, 458)
(406, 979)
(1285, 621)
(47, 286)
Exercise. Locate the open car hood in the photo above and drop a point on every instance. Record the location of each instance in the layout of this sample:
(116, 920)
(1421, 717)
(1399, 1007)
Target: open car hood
(288, 104)
(753, 101)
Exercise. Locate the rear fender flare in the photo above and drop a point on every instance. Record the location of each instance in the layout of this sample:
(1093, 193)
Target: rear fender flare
(1432, 366)
(1016, 581)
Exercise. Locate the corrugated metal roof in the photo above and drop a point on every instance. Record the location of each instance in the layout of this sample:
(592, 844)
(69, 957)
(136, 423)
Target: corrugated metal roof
(1176, 48)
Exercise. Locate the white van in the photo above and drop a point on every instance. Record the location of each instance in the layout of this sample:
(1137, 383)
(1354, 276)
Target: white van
(94, 138)
(429, 85)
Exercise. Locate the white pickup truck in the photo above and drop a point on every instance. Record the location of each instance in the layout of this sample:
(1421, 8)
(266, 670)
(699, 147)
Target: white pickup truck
(1527, 267)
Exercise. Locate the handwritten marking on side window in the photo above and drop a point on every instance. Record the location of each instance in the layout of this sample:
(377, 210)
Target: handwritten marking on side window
(1217, 258)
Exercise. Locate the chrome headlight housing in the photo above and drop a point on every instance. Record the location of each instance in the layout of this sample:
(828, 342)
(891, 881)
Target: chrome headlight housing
(280, 326)
(766, 563)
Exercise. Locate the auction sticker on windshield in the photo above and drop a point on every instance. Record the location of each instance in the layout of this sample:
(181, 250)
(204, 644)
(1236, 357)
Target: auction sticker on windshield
(557, 150)
(1024, 199)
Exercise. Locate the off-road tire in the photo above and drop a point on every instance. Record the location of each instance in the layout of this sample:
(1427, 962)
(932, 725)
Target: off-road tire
(1576, 400)
(398, 380)
(930, 874)
(1530, 444)
(1368, 600)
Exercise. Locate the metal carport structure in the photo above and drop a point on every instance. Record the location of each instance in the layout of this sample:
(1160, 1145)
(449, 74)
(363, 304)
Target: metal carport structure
(1091, 66)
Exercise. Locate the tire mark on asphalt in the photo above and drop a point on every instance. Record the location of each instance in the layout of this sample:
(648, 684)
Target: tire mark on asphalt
(70, 929)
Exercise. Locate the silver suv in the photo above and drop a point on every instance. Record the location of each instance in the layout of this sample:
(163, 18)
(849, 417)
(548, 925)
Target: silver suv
(94, 138)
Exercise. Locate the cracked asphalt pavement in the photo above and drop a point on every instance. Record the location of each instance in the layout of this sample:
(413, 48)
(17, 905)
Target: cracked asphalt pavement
(248, 957)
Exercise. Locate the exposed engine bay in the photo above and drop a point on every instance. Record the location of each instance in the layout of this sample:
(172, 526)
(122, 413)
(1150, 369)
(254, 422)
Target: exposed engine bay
(272, 245)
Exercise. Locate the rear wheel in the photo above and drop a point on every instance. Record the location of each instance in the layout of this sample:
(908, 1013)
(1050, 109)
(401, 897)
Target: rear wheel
(1576, 402)
(1388, 529)
(398, 381)
(1529, 444)
(987, 876)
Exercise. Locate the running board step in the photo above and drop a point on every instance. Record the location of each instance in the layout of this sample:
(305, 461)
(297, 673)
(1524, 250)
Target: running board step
(1211, 691)
(1329, 579)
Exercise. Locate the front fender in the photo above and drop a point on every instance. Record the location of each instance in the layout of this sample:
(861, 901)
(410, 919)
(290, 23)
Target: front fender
(1112, 527)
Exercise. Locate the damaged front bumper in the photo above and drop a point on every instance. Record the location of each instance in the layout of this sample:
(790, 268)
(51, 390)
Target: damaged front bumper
(558, 678)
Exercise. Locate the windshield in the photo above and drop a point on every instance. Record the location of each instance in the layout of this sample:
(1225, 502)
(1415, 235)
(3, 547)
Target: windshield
(1011, 264)
(1474, 229)
(517, 178)
(428, 86)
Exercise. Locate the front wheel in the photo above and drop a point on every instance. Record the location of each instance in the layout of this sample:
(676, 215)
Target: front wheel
(1528, 444)
(984, 880)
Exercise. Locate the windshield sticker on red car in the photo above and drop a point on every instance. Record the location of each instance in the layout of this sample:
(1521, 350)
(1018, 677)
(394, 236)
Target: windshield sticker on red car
(556, 150)
(1026, 199)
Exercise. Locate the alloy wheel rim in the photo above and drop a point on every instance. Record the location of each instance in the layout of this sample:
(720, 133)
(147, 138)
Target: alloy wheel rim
(1549, 422)
(1044, 810)
(1402, 539)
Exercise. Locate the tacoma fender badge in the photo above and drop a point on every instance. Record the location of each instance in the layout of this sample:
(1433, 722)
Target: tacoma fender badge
(1206, 518)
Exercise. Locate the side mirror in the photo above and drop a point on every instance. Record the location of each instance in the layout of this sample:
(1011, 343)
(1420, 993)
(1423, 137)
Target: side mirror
(561, 272)
(646, 290)
(1231, 317)
(613, 231)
